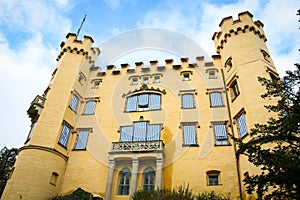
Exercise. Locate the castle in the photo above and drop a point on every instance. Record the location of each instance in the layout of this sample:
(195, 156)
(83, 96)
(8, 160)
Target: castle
(154, 125)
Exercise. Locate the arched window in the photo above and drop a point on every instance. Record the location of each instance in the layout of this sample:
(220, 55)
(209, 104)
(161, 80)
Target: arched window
(143, 102)
(124, 182)
(149, 178)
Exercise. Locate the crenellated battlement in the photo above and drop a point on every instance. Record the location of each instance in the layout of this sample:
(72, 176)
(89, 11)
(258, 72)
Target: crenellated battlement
(72, 45)
(154, 65)
(231, 28)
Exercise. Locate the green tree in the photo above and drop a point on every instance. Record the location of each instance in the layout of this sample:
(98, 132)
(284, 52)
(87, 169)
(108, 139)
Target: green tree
(7, 161)
(280, 165)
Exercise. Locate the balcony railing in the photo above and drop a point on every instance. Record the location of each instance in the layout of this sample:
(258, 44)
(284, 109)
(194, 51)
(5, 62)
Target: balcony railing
(140, 146)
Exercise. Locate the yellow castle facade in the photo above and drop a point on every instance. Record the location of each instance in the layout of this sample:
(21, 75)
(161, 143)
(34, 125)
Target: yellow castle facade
(158, 125)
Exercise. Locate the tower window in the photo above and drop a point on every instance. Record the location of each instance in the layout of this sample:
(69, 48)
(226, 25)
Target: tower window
(82, 139)
(124, 182)
(143, 102)
(242, 126)
(74, 102)
(220, 133)
(90, 107)
(64, 135)
(149, 178)
(189, 133)
(228, 64)
(215, 99)
(54, 178)
(234, 90)
(187, 101)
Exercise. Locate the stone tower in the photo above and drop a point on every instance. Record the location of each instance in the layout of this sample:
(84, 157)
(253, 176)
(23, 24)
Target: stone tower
(42, 157)
(243, 57)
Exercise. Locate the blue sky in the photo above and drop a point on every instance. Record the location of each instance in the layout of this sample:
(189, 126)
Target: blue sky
(30, 35)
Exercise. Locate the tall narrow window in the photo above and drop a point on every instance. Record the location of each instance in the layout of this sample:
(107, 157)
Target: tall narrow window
(82, 139)
(64, 135)
(187, 101)
(242, 127)
(31, 131)
(74, 102)
(234, 90)
(215, 99)
(140, 130)
(189, 134)
(124, 182)
(90, 107)
(149, 178)
(220, 134)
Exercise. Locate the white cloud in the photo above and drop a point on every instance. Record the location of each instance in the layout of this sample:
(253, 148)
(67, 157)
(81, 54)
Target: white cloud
(114, 4)
(26, 63)
(201, 20)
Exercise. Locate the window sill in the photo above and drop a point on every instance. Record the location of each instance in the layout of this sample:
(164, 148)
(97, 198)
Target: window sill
(217, 106)
(215, 185)
(190, 145)
(79, 149)
(221, 145)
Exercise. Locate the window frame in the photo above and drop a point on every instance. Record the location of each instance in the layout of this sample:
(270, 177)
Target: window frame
(88, 112)
(138, 107)
(83, 137)
(191, 105)
(241, 118)
(216, 103)
(149, 174)
(213, 174)
(220, 142)
(64, 137)
(74, 104)
(234, 90)
(194, 142)
(124, 186)
(149, 136)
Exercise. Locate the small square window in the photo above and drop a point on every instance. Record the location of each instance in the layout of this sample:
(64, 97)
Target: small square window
(213, 180)
(96, 84)
(213, 177)
(134, 81)
(186, 77)
(156, 79)
(212, 75)
(146, 80)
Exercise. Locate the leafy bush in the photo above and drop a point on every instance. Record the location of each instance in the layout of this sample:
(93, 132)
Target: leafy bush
(181, 193)
(78, 194)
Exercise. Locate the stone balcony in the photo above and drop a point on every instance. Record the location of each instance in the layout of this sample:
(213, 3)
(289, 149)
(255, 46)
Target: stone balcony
(36, 107)
(137, 146)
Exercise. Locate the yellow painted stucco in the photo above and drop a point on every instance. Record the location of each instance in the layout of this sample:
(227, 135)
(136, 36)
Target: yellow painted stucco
(241, 40)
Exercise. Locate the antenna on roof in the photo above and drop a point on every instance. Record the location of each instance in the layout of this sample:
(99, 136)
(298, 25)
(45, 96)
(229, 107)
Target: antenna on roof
(81, 25)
